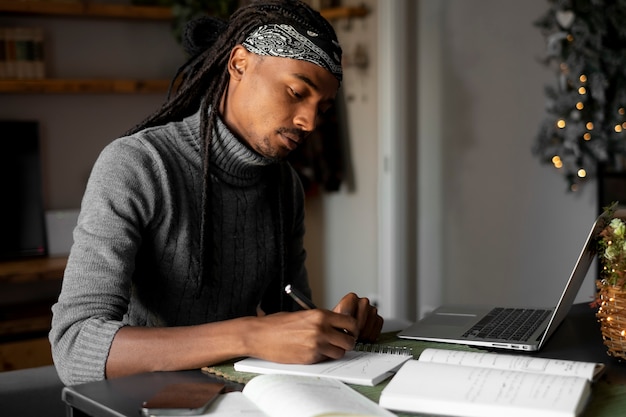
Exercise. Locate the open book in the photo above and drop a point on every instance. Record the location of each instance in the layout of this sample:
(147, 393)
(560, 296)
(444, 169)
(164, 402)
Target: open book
(368, 365)
(490, 385)
(290, 395)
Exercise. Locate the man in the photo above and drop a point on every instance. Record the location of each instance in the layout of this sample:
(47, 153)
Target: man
(192, 224)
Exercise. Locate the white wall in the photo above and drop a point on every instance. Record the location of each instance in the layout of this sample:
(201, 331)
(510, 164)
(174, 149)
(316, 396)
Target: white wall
(508, 230)
(342, 227)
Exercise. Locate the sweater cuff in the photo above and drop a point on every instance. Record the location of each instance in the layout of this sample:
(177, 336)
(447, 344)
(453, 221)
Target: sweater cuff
(91, 350)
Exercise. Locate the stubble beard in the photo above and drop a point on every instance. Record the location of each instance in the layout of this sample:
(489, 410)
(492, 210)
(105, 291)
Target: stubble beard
(268, 151)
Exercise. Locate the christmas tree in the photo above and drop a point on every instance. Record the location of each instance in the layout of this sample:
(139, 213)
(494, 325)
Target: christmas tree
(585, 123)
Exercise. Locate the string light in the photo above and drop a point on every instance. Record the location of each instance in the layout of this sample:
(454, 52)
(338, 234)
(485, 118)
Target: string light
(575, 105)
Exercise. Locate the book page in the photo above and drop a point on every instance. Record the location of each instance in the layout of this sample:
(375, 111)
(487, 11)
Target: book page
(360, 368)
(448, 389)
(234, 404)
(522, 363)
(289, 395)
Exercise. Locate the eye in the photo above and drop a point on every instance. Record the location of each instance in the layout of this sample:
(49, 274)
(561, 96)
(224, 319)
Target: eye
(295, 93)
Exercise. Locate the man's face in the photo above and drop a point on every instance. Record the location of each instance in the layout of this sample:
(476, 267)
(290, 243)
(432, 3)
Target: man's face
(272, 103)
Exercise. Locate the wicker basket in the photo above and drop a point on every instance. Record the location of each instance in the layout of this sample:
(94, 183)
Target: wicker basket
(612, 317)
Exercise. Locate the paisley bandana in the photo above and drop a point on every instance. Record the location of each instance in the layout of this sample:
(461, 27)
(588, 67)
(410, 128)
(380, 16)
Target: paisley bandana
(284, 41)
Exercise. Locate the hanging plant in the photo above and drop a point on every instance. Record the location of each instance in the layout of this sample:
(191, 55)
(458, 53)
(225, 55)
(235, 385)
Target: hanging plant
(585, 121)
(185, 10)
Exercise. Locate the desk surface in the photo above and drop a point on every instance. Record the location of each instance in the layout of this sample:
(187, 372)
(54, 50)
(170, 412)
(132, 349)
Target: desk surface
(578, 338)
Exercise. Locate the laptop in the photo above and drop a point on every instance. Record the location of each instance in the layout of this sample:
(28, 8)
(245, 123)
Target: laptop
(510, 328)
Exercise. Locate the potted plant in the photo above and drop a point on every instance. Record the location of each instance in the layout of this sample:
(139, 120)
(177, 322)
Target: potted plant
(611, 284)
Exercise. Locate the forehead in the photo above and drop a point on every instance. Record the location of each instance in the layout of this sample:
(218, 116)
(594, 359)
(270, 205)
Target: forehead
(314, 76)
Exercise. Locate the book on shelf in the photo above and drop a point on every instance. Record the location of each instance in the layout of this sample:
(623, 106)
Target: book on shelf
(368, 364)
(274, 395)
(489, 384)
(22, 53)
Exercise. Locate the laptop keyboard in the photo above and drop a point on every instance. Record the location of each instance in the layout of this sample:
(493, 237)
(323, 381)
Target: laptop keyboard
(515, 324)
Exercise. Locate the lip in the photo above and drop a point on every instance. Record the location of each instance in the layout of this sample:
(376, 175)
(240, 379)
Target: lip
(289, 142)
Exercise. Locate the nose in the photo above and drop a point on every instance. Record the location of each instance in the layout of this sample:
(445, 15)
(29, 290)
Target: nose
(306, 117)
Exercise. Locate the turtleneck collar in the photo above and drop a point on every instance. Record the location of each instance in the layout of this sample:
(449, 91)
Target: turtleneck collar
(231, 160)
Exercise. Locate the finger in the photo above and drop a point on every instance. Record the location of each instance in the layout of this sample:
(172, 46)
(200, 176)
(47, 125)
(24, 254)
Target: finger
(348, 305)
(366, 315)
(345, 324)
(338, 344)
(373, 326)
(335, 335)
(363, 312)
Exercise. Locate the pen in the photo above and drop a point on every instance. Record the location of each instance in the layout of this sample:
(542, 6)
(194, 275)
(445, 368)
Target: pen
(304, 302)
(299, 298)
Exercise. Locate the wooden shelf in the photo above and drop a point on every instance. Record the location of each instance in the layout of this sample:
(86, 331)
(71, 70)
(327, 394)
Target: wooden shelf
(37, 324)
(344, 12)
(85, 9)
(122, 11)
(34, 269)
(82, 86)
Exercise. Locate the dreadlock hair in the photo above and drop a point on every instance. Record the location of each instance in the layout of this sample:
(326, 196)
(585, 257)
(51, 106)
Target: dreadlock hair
(202, 81)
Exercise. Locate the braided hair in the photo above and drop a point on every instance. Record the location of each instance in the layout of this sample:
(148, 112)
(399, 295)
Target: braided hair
(202, 81)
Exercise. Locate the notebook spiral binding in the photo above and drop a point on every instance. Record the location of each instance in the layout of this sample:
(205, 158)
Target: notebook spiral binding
(386, 349)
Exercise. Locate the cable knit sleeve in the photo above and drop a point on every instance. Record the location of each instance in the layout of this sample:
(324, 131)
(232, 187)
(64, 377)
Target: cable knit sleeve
(119, 201)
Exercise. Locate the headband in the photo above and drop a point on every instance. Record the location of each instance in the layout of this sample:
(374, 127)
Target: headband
(284, 41)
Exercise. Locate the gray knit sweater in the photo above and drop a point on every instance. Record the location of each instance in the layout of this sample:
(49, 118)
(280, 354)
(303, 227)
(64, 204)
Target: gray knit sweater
(136, 254)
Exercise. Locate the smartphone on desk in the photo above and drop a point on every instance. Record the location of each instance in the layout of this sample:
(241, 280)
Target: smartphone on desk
(183, 399)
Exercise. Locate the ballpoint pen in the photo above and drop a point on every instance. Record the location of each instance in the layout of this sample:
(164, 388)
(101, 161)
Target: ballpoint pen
(299, 298)
(304, 302)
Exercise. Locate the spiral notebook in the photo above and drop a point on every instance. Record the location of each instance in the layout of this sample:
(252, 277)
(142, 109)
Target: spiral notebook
(367, 364)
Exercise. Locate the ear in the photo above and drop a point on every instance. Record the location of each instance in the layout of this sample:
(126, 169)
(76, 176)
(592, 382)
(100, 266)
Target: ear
(238, 62)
